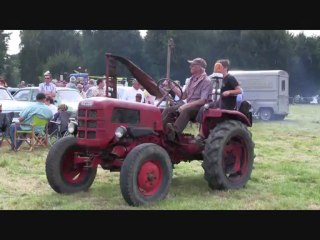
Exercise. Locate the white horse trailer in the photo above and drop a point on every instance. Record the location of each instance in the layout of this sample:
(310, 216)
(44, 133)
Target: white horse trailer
(268, 92)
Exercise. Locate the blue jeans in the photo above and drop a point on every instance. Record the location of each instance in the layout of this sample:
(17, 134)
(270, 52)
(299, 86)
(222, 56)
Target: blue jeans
(11, 133)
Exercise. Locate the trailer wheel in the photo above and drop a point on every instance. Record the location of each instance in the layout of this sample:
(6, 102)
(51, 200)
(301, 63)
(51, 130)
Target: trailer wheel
(228, 156)
(145, 174)
(265, 114)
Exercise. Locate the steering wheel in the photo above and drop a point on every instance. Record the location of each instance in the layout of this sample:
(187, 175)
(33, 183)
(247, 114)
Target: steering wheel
(166, 90)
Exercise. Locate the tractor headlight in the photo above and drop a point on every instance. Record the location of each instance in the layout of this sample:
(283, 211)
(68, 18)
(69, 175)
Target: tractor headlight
(206, 106)
(71, 127)
(120, 131)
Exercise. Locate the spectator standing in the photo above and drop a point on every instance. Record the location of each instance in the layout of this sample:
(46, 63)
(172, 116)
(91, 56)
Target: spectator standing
(3, 83)
(72, 83)
(80, 89)
(47, 87)
(130, 94)
(90, 84)
(99, 90)
(138, 97)
(22, 84)
(149, 99)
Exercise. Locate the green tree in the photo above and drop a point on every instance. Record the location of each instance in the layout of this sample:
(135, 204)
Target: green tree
(189, 44)
(247, 49)
(12, 70)
(60, 63)
(96, 43)
(305, 65)
(4, 38)
(264, 49)
(37, 46)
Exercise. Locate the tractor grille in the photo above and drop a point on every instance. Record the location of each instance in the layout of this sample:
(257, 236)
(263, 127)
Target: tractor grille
(82, 123)
(90, 122)
(82, 113)
(81, 134)
(91, 135)
(92, 113)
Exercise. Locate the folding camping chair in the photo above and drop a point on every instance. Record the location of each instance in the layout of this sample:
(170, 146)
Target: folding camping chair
(36, 136)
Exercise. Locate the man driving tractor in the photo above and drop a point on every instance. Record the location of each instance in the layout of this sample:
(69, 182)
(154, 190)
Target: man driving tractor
(196, 94)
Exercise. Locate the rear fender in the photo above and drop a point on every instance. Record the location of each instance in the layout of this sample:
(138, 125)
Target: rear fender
(212, 117)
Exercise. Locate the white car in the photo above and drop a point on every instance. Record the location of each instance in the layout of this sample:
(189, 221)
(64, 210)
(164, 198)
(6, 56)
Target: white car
(69, 96)
(9, 104)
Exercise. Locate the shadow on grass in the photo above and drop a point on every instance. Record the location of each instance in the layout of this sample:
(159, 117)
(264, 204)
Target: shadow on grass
(255, 121)
(189, 184)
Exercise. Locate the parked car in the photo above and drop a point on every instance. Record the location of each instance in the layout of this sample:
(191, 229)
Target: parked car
(12, 90)
(69, 96)
(9, 104)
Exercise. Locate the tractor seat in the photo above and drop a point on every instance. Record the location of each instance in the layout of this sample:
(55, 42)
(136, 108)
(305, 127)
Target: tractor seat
(245, 107)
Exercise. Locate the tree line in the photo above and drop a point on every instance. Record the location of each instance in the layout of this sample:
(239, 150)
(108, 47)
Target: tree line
(62, 51)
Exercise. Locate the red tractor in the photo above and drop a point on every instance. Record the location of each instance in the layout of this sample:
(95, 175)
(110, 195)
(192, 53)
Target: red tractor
(129, 137)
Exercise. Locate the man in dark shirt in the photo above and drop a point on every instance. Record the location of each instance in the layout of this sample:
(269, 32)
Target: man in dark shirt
(230, 87)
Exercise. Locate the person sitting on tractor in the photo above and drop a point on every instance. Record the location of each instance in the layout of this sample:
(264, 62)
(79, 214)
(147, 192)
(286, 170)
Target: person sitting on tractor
(196, 94)
(230, 88)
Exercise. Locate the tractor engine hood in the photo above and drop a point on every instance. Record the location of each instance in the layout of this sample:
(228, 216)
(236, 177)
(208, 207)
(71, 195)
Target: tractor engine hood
(143, 78)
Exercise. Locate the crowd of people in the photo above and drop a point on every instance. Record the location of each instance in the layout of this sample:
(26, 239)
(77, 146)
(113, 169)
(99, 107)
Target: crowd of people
(44, 109)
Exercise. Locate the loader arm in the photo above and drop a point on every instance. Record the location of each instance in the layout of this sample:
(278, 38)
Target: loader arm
(143, 78)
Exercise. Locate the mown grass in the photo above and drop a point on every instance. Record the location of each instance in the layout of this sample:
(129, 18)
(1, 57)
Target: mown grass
(286, 175)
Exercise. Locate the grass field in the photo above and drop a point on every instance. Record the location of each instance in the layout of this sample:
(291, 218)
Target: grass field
(286, 175)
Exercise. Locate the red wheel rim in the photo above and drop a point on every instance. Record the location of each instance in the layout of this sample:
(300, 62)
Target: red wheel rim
(71, 172)
(235, 159)
(150, 177)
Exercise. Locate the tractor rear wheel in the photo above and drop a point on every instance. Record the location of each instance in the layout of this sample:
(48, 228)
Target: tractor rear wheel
(63, 174)
(228, 156)
(145, 175)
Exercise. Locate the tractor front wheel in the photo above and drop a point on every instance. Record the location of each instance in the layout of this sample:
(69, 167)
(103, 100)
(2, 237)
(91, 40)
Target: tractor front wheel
(145, 175)
(228, 156)
(63, 174)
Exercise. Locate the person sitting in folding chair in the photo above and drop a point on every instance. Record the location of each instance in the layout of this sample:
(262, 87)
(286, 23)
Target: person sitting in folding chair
(26, 117)
(61, 117)
(5, 121)
(58, 127)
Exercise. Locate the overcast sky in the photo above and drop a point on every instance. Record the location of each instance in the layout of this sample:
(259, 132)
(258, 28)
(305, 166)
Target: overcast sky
(15, 39)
